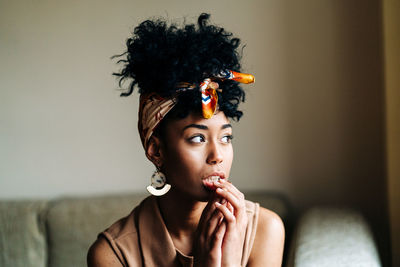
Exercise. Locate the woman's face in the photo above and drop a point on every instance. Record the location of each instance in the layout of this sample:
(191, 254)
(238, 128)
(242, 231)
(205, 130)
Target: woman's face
(195, 151)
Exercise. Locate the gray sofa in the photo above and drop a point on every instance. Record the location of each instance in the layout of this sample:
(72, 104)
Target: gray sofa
(59, 232)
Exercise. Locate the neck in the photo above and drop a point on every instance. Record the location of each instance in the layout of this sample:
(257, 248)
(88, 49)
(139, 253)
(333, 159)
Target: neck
(181, 215)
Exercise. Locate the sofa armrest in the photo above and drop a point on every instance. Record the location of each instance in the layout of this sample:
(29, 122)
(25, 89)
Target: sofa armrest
(23, 233)
(333, 237)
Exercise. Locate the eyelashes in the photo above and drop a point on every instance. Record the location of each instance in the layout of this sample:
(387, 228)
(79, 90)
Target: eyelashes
(199, 138)
(227, 138)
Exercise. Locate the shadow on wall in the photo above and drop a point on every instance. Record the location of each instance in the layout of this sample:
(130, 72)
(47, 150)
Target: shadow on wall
(334, 90)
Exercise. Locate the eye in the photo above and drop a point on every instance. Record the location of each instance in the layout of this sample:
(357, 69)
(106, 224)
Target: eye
(227, 138)
(197, 139)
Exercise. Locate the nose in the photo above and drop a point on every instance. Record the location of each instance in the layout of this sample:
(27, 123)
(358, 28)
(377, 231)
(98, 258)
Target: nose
(214, 154)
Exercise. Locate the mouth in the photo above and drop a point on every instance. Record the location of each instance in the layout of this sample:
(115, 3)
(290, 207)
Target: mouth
(208, 182)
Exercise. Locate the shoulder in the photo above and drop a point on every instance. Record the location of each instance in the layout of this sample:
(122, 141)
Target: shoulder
(269, 240)
(101, 254)
(270, 222)
(107, 250)
(111, 245)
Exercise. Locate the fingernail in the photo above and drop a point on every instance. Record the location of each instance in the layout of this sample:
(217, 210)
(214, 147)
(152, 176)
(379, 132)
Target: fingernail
(223, 201)
(217, 204)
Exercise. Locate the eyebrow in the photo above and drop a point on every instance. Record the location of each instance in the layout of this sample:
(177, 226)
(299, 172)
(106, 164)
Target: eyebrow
(204, 127)
(228, 125)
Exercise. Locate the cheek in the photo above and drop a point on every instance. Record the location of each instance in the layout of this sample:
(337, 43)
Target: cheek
(183, 162)
(228, 159)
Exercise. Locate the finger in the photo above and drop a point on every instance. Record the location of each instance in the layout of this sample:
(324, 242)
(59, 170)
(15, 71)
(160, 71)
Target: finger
(229, 218)
(227, 186)
(213, 223)
(219, 236)
(238, 204)
(230, 207)
(207, 213)
(230, 187)
(209, 208)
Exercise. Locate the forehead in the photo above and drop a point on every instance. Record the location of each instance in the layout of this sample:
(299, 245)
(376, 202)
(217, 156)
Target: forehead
(215, 122)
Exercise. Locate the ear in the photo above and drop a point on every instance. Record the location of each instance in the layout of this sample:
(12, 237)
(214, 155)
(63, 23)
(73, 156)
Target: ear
(154, 151)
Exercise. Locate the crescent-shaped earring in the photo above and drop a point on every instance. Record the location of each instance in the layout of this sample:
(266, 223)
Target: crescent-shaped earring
(159, 184)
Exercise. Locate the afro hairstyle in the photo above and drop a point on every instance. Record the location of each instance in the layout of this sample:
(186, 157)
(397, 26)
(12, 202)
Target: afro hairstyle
(159, 56)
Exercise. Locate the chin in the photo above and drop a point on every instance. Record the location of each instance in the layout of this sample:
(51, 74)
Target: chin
(203, 195)
(208, 194)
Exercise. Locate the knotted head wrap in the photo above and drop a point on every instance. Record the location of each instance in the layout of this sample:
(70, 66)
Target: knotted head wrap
(186, 67)
(153, 108)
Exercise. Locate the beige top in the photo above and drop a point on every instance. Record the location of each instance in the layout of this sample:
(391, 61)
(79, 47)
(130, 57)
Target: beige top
(142, 239)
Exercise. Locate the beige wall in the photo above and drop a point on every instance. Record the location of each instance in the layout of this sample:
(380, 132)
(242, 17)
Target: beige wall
(313, 124)
(391, 21)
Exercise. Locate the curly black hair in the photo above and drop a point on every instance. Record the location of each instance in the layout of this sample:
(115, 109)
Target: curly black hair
(159, 56)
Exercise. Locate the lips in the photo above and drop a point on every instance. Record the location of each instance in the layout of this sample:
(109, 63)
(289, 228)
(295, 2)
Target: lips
(208, 181)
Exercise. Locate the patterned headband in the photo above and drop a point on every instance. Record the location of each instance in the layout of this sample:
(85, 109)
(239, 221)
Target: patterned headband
(153, 108)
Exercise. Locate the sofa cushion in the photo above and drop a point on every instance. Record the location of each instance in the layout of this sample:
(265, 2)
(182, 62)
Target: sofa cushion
(22, 234)
(334, 237)
(74, 223)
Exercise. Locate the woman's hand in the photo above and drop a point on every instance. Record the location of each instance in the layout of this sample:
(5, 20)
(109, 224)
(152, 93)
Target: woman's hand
(207, 247)
(235, 219)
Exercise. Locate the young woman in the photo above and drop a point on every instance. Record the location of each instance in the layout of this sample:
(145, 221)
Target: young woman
(189, 89)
